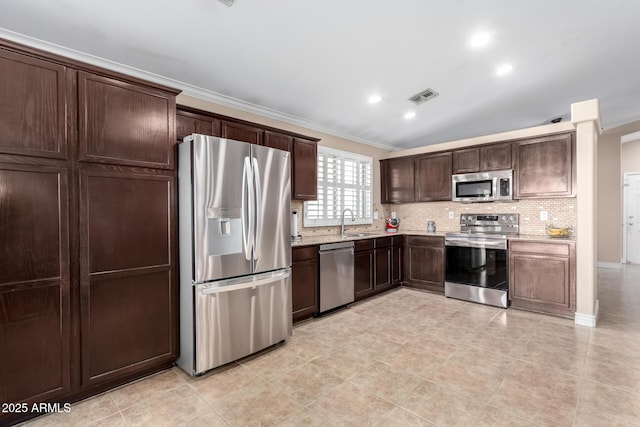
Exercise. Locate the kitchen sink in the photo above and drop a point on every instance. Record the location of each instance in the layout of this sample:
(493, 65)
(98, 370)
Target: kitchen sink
(350, 235)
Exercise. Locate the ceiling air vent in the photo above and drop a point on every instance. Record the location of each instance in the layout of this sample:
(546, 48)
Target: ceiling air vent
(423, 96)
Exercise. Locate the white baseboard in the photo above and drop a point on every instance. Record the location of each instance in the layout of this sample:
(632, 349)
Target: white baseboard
(614, 265)
(589, 320)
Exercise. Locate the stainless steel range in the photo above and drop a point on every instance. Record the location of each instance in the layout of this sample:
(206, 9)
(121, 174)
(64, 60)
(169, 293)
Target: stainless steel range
(477, 259)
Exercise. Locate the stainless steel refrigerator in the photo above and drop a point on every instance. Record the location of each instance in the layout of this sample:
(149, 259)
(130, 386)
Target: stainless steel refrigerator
(235, 250)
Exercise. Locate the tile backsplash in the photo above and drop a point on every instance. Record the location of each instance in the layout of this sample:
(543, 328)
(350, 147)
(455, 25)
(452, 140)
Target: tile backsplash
(414, 216)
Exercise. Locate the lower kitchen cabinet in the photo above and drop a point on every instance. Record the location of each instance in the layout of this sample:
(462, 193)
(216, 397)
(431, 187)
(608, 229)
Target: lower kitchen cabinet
(374, 267)
(424, 263)
(383, 257)
(304, 282)
(364, 274)
(396, 259)
(542, 276)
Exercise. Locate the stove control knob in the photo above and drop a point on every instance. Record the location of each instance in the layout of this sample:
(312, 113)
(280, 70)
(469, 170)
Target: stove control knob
(463, 217)
(512, 218)
(504, 217)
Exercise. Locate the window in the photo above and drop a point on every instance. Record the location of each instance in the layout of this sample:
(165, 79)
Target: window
(344, 182)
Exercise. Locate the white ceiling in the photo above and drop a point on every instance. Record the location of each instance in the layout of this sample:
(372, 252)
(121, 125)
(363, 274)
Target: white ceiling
(315, 63)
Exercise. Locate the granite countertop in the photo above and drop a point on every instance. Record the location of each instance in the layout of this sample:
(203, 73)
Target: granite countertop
(333, 238)
(544, 238)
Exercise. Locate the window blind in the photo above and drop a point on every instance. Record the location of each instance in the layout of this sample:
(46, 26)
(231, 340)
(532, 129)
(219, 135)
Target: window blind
(344, 181)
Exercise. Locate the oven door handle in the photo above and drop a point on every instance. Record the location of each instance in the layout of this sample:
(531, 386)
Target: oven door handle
(481, 243)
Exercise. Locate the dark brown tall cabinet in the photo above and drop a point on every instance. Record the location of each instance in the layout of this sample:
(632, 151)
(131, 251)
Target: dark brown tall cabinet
(87, 236)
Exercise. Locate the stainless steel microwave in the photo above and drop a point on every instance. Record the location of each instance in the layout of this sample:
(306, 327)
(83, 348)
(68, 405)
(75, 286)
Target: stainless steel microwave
(483, 186)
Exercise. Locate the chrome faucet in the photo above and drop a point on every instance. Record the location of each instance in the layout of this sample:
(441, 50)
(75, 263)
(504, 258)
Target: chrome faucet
(353, 218)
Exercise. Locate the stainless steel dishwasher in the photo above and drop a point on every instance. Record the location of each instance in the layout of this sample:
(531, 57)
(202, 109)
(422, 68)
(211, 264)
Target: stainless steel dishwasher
(336, 275)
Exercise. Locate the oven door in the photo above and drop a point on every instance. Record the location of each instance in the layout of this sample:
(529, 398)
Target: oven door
(477, 262)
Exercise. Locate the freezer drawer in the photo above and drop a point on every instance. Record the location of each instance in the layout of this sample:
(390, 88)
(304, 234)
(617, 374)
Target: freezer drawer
(237, 317)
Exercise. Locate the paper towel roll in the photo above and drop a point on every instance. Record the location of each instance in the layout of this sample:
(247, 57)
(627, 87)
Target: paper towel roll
(294, 224)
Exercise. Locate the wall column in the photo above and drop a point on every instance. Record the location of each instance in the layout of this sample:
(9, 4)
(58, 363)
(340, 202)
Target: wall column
(586, 118)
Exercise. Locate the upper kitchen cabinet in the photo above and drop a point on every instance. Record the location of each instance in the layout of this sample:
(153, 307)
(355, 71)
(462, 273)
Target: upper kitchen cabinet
(304, 150)
(433, 177)
(125, 123)
(242, 132)
(467, 160)
(305, 167)
(484, 158)
(278, 140)
(188, 123)
(397, 180)
(33, 103)
(545, 166)
(495, 157)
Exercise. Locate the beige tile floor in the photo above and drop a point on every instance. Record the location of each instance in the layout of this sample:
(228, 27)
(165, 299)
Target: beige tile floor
(409, 358)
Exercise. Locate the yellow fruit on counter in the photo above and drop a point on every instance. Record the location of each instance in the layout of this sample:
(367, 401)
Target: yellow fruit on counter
(557, 232)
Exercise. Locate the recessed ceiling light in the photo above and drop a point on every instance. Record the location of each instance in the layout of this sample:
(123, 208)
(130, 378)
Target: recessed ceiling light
(480, 39)
(409, 115)
(504, 69)
(374, 99)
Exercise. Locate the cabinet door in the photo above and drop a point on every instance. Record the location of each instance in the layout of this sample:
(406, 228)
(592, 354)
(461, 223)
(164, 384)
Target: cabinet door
(383, 267)
(433, 177)
(304, 290)
(33, 105)
(35, 321)
(124, 123)
(305, 169)
(467, 160)
(396, 262)
(397, 180)
(278, 140)
(544, 167)
(241, 132)
(127, 272)
(424, 263)
(188, 123)
(363, 263)
(542, 277)
(495, 157)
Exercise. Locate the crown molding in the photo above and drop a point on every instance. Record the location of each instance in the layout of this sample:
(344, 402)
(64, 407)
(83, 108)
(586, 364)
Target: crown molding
(187, 89)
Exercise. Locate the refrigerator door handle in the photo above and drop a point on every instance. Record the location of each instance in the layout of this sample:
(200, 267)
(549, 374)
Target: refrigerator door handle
(236, 284)
(247, 209)
(258, 208)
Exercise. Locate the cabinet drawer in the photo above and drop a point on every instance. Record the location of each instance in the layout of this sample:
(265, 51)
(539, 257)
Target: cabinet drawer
(363, 245)
(397, 240)
(383, 242)
(304, 253)
(563, 249)
(425, 241)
